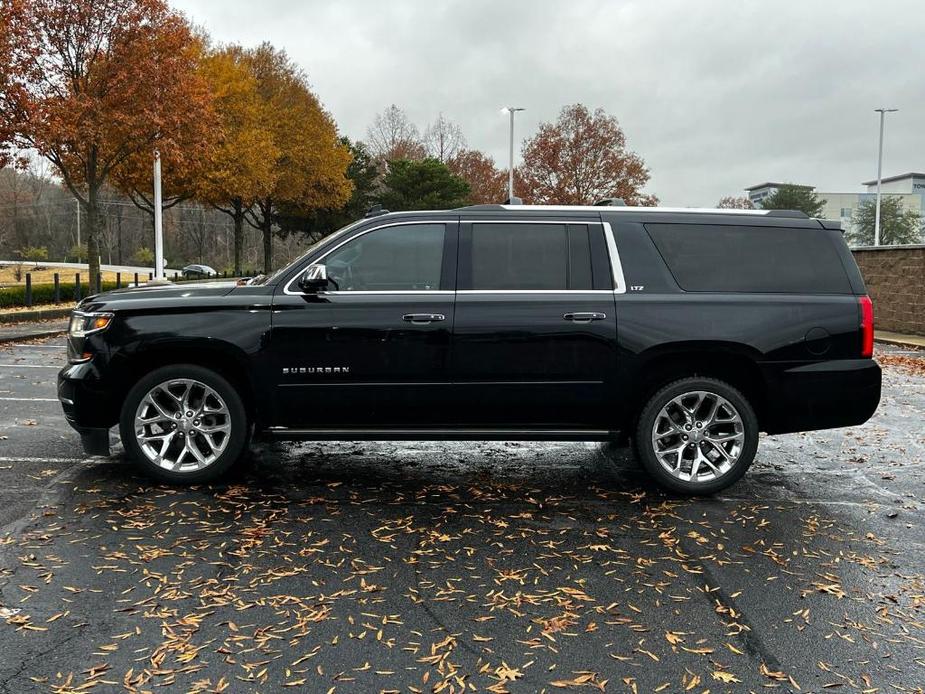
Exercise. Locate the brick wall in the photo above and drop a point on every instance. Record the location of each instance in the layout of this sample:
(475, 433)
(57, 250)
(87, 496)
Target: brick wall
(895, 279)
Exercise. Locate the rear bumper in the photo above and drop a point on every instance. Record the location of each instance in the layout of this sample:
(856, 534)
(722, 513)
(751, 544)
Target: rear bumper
(823, 395)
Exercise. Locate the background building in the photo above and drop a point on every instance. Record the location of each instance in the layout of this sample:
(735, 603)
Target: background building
(909, 187)
(759, 192)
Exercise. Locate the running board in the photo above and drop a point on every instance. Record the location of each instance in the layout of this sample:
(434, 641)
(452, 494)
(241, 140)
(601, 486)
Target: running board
(458, 434)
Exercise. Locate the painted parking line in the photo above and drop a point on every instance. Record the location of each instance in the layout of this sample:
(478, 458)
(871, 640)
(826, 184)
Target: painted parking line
(23, 459)
(30, 366)
(28, 399)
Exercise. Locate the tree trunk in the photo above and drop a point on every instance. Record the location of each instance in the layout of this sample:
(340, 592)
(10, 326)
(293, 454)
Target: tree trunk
(94, 221)
(267, 228)
(119, 238)
(238, 217)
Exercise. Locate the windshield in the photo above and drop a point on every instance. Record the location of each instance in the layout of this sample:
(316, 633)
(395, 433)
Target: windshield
(263, 279)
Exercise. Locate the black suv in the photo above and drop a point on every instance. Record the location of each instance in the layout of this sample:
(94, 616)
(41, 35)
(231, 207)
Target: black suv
(686, 331)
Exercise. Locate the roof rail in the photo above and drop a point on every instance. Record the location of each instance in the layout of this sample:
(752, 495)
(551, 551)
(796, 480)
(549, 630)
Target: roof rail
(375, 211)
(597, 207)
(791, 214)
(486, 207)
(610, 202)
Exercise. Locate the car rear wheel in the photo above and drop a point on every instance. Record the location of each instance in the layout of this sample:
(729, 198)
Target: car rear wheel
(184, 424)
(697, 436)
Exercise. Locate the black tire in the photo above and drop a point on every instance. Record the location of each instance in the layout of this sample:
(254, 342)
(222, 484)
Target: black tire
(645, 451)
(234, 446)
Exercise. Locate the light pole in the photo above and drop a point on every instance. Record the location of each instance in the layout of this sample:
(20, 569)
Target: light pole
(882, 112)
(158, 221)
(510, 172)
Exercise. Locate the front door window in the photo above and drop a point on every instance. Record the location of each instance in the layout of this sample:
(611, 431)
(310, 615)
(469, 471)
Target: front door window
(400, 258)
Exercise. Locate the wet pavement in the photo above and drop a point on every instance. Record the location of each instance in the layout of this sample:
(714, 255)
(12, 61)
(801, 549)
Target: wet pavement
(451, 567)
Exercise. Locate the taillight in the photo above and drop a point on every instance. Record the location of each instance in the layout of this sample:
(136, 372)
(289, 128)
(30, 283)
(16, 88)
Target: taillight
(867, 326)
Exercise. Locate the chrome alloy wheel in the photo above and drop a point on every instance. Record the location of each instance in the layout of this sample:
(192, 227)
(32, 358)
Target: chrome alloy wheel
(698, 436)
(182, 425)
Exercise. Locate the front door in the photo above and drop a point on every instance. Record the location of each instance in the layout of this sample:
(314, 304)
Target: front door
(373, 351)
(534, 342)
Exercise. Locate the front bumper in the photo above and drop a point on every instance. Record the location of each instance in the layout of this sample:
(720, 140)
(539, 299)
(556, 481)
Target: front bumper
(822, 395)
(85, 408)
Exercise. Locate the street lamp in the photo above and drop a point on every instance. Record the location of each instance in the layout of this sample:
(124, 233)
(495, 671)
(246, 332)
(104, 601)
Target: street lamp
(510, 172)
(158, 220)
(882, 112)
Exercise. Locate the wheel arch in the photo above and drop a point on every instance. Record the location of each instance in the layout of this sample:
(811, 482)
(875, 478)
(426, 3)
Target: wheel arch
(734, 363)
(221, 357)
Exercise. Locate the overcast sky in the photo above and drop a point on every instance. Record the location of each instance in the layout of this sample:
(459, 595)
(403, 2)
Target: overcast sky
(714, 96)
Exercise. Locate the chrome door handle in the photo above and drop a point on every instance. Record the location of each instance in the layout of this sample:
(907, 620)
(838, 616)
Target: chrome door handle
(584, 317)
(423, 318)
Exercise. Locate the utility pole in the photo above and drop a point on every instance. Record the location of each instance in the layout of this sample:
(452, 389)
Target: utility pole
(79, 252)
(158, 220)
(510, 172)
(883, 112)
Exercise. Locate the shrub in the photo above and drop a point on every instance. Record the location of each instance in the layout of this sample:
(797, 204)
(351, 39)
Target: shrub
(76, 252)
(34, 253)
(144, 256)
(45, 293)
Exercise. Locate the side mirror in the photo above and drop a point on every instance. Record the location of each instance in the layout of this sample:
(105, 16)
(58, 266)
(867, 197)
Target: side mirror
(314, 279)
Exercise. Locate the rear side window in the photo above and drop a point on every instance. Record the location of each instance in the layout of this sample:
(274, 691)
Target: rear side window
(530, 257)
(706, 258)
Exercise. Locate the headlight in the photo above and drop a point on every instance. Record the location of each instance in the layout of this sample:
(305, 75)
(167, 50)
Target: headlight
(83, 324)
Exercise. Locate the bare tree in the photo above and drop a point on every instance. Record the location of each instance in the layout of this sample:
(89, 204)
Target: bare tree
(443, 139)
(392, 136)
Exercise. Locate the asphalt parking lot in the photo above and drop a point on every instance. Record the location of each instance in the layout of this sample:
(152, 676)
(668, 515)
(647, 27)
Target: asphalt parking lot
(418, 567)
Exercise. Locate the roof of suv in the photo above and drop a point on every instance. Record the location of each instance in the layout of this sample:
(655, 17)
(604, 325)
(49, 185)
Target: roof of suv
(794, 214)
(789, 218)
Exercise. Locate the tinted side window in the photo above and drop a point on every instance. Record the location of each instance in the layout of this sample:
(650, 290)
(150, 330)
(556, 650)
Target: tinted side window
(579, 257)
(706, 258)
(530, 256)
(406, 257)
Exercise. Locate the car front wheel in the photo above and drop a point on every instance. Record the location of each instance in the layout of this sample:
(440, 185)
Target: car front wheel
(184, 424)
(697, 436)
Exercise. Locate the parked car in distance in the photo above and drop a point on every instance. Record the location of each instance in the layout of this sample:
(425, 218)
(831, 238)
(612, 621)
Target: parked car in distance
(198, 272)
(688, 332)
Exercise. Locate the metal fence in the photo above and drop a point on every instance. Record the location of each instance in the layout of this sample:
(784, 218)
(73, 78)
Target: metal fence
(63, 289)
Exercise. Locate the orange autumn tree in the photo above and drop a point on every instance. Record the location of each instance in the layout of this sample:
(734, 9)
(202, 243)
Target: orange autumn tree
(242, 165)
(88, 84)
(310, 166)
(487, 183)
(185, 155)
(580, 159)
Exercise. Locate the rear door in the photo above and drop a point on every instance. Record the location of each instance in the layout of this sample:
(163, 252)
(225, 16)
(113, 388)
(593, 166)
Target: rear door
(534, 340)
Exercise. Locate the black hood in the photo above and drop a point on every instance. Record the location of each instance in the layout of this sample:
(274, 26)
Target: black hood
(167, 294)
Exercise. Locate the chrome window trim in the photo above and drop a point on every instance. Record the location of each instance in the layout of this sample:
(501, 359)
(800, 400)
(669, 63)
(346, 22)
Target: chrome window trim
(363, 292)
(534, 291)
(287, 291)
(615, 264)
(564, 222)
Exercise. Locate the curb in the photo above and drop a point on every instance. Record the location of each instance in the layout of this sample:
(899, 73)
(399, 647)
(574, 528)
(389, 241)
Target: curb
(31, 336)
(40, 315)
(898, 343)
